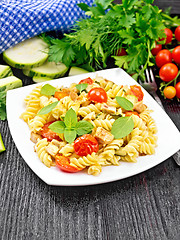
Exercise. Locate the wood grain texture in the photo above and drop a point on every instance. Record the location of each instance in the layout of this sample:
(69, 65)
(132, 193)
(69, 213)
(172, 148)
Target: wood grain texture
(142, 207)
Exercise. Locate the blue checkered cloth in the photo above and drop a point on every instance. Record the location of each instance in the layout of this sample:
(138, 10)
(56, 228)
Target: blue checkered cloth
(23, 19)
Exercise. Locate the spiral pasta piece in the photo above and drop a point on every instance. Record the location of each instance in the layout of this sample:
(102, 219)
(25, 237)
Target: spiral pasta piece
(32, 108)
(37, 122)
(40, 148)
(106, 124)
(83, 111)
(84, 161)
(138, 122)
(151, 125)
(35, 93)
(95, 170)
(67, 150)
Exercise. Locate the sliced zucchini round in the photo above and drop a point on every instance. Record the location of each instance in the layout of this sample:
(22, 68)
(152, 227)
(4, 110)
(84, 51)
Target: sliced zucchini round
(41, 79)
(49, 69)
(5, 71)
(27, 54)
(76, 71)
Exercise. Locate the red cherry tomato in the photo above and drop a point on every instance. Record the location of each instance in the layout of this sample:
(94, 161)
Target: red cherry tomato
(48, 133)
(169, 35)
(86, 80)
(177, 87)
(136, 91)
(97, 95)
(129, 113)
(168, 72)
(155, 50)
(164, 56)
(62, 162)
(121, 52)
(176, 54)
(177, 33)
(86, 144)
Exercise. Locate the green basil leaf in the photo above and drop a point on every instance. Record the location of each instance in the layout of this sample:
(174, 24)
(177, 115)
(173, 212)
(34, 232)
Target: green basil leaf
(124, 103)
(47, 108)
(70, 119)
(81, 86)
(83, 127)
(70, 135)
(57, 127)
(122, 127)
(48, 90)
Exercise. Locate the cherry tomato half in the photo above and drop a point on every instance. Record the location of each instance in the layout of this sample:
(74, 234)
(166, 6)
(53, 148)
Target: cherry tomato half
(60, 95)
(164, 56)
(168, 72)
(86, 144)
(176, 54)
(48, 133)
(177, 33)
(86, 80)
(62, 162)
(97, 95)
(136, 91)
(177, 87)
(155, 50)
(169, 92)
(129, 113)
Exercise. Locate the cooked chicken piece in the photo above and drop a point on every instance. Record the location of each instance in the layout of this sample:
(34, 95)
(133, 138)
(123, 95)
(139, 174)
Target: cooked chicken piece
(58, 143)
(73, 95)
(34, 137)
(108, 109)
(103, 136)
(52, 149)
(139, 107)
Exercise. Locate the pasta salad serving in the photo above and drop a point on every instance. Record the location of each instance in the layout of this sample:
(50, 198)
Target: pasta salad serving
(89, 125)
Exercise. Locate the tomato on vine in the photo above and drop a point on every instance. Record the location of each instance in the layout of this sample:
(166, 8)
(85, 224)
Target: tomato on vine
(177, 33)
(169, 35)
(168, 72)
(169, 92)
(176, 54)
(177, 87)
(164, 56)
(156, 49)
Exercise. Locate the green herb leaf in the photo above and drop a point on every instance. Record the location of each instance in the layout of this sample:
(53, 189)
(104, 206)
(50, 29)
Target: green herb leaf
(124, 103)
(70, 119)
(81, 86)
(122, 127)
(57, 127)
(83, 127)
(70, 135)
(48, 90)
(47, 108)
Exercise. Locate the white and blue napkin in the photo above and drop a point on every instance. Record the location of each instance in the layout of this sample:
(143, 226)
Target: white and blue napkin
(23, 19)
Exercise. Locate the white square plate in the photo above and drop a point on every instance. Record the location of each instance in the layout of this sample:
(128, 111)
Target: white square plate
(168, 136)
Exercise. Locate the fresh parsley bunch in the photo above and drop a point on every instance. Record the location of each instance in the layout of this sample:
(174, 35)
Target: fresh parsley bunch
(134, 25)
